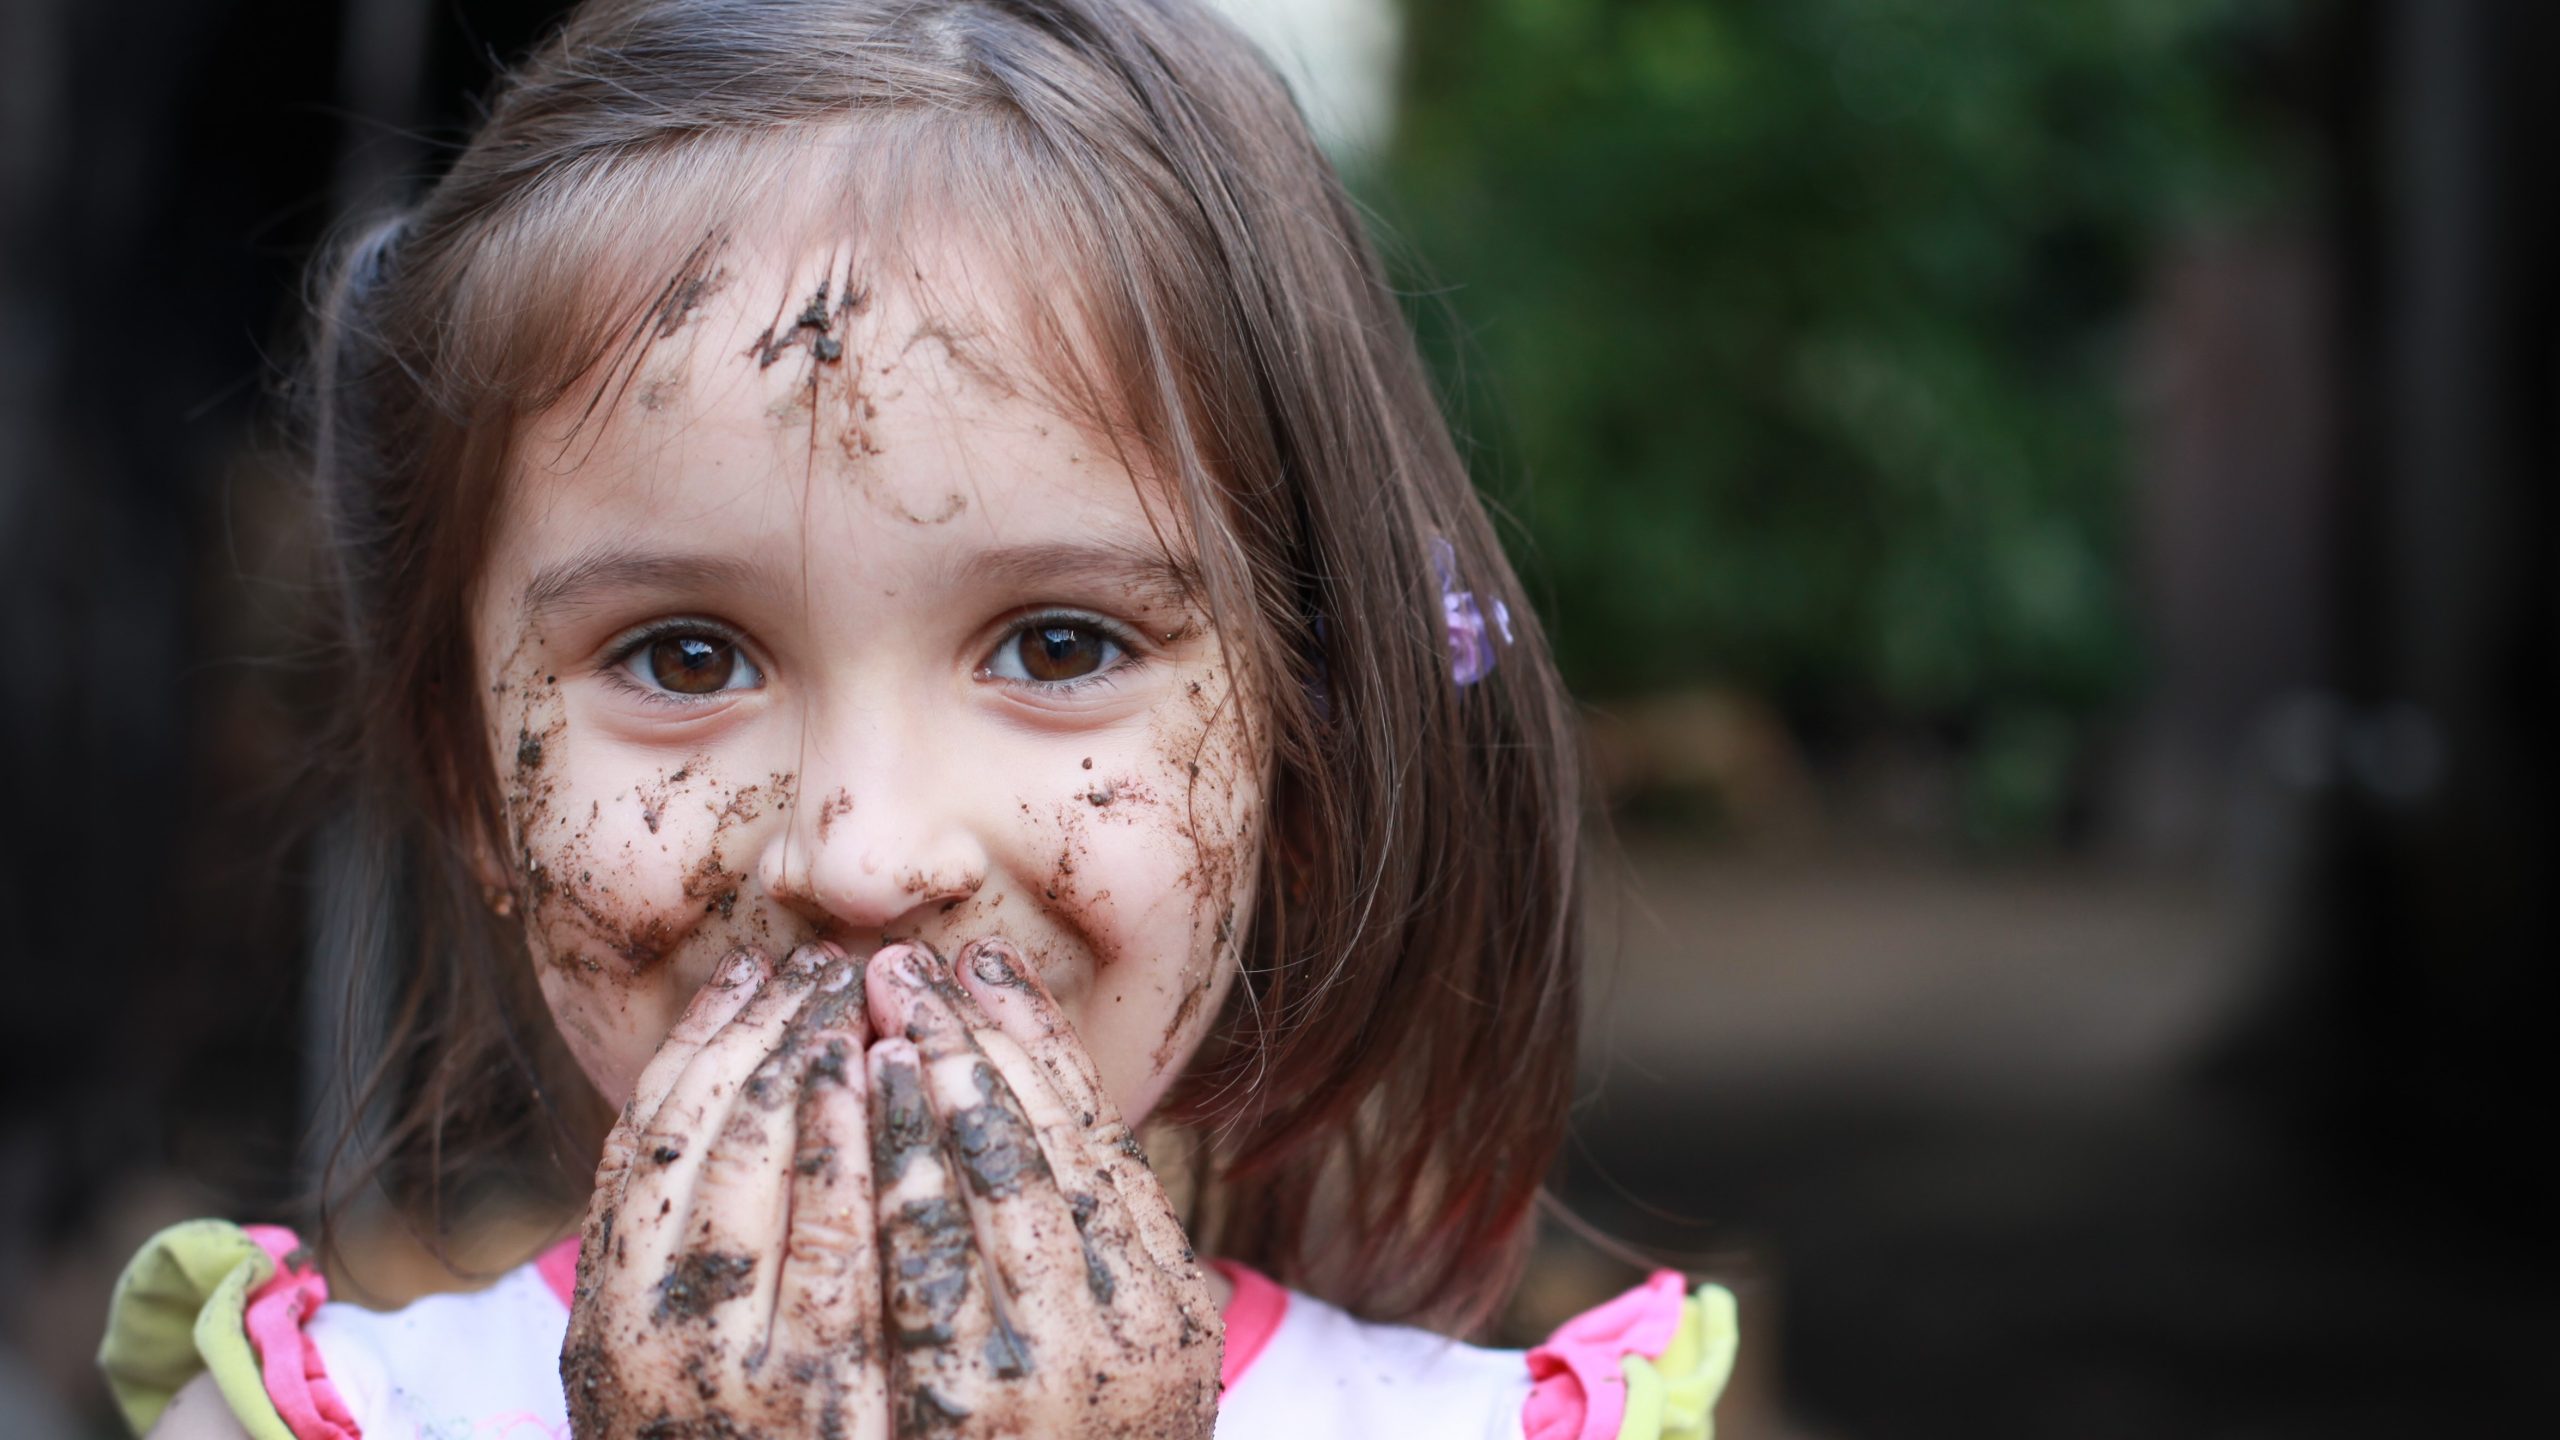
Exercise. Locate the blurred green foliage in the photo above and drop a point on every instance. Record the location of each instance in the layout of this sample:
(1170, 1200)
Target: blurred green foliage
(1802, 321)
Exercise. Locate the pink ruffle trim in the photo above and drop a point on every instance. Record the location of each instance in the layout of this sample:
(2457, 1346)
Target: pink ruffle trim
(297, 1381)
(1578, 1391)
(1252, 1317)
(558, 1267)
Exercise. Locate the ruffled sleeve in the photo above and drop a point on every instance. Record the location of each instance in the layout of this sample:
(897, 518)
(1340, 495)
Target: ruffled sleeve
(1645, 1366)
(209, 1295)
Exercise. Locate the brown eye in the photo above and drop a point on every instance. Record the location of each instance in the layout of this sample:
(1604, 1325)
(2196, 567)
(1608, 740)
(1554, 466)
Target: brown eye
(1053, 652)
(1056, 650)
(694, 663)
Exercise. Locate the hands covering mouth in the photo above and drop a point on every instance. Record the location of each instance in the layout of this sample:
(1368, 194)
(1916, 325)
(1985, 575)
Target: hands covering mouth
(857, 1198)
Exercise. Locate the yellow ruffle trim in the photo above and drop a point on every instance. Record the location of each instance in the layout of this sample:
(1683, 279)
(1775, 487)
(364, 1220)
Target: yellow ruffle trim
(1674, 1397)
(180, 1307)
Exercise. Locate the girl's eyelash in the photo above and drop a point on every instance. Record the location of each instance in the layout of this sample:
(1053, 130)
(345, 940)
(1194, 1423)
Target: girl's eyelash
(618, 655)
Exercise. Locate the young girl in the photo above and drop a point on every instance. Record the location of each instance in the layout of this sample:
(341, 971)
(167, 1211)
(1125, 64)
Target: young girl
(911, 610)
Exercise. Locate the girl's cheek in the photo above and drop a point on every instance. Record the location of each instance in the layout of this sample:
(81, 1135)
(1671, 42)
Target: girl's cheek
(1213, 762)
(629, 874)
(1222, 825)
(638, 891)
(1152, 871)
(603, 1033)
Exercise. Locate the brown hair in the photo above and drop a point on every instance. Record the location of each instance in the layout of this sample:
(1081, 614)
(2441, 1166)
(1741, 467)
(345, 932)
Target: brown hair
(1378, 1107)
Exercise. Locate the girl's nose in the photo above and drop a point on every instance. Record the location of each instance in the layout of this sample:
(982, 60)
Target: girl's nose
(879, 837)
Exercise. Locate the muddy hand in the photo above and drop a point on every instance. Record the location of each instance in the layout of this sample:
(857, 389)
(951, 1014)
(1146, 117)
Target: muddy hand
(1037, 1280)
(727, 1279)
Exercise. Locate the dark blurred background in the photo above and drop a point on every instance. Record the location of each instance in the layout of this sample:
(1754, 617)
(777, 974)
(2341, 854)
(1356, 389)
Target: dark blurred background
(2049, 506)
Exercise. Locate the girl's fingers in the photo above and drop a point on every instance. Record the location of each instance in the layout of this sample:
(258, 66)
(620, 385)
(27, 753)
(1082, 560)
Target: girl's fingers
(1132, 1250)
(829, 1237)
(1039, 1270)
(673, 1163)
(733, 983)
(734, 1234)
(993, 974)
(1023, 1230)
(826, 1319)
(939, 1320)
(920, 999)
(1106, 1239)
(945, 977)
(1023, 1009)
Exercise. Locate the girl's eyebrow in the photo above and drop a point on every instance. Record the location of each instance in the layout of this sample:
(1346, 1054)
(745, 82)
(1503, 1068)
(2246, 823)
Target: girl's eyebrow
(1145, 570)
(604, 569)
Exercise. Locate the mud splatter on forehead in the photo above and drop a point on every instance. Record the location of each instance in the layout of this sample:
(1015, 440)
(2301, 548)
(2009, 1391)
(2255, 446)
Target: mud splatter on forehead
(817, 327)
(699, 278)
(580, 284)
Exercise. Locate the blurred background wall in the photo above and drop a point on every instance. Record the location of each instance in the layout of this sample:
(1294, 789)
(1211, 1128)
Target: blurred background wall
(2049, 507)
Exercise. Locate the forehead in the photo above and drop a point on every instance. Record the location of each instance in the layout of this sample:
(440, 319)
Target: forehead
(789, 405)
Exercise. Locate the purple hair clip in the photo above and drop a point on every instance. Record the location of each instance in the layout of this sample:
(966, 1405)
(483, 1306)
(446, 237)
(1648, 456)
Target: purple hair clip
(1471, 651)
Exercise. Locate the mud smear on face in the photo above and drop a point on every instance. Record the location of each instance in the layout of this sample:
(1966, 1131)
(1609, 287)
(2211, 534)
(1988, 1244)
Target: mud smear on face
(656, 384)
(838, 392)
(829, 396)
(573, 893)
(964, 354)
(540, 723)
(1212, 742)
(817, 327)
(1199, 756)
(834, 808)
(712, 884)
(700, 277)
(582, 900)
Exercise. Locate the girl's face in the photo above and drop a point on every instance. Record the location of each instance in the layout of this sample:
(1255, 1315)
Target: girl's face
(827, 631)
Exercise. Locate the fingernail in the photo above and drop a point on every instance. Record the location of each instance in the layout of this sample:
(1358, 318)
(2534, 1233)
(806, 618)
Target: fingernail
(739, 968)
(905, 962)
(839, 995)
(993, 962)
(808, 958)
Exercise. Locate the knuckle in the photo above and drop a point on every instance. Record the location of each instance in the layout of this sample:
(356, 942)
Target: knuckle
(816, 1159)
(824, 1250)
(1064, 1138)
(1109, 1134)
(729, 1165)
